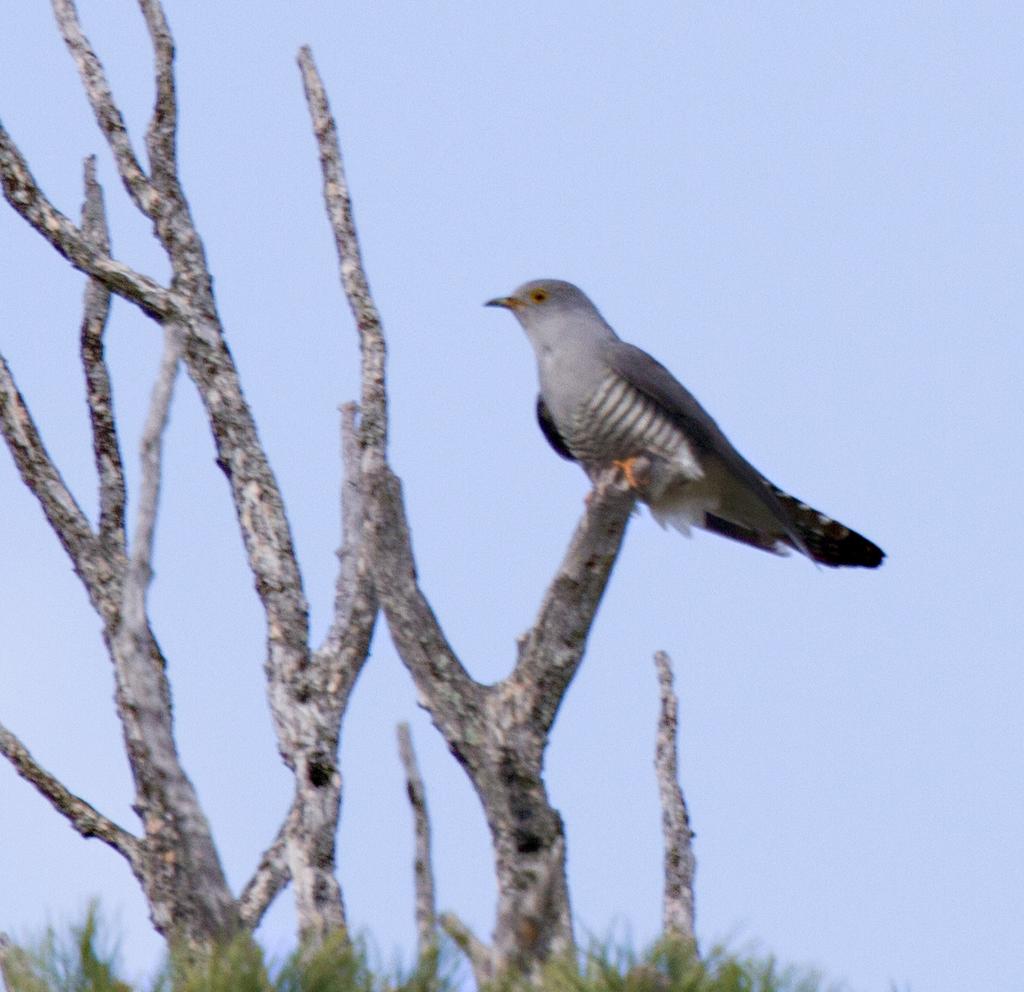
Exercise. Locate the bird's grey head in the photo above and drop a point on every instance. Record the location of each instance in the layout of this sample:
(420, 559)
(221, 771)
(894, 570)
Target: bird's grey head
(552, 311)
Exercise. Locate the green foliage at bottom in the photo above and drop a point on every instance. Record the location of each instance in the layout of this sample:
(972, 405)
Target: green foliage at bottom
(674, 966)
(85, 961)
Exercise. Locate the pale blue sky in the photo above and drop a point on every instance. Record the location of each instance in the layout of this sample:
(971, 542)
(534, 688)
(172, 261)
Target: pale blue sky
(812, 213)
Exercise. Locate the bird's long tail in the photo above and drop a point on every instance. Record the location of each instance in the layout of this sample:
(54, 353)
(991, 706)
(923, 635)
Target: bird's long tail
(826, 540)
(769, 518)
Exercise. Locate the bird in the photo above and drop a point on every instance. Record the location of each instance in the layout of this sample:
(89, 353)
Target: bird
(604, 402)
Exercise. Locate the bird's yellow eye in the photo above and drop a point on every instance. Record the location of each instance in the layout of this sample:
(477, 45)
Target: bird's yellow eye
(539, 295)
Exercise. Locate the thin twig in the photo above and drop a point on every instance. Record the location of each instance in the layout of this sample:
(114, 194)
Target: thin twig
(680, 863)
(96, 311)
(161, 135)
(481, 958)
(426, 908)
(271, 876)
(182, 862)
(373, 403)
(44, 481)
(140, 563)
(86, 819)
(101, 99)
(22, 192)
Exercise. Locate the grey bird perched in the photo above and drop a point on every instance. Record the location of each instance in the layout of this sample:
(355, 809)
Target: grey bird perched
(605, 402)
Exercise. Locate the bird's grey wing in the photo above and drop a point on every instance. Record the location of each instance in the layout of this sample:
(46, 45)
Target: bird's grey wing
(550, 431)
(651, 378)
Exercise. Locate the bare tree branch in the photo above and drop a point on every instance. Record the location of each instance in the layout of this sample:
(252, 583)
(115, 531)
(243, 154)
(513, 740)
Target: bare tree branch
(271, 876)
(178, 864)
(139, 574)
(86, 819)
(345, 648)
(311, 826)
(101, 99)
(161, 135)
(96, 311)
(680, 863)
(44, 481)
(410, 618)
(414, 627)
(423, 870)
(333, 671)
(258, 503)
(22, 192)
(551, 651)
(374, 426)
(259, 508)
(499, 733)
(182, 877)
(481, 957)
(143, 694)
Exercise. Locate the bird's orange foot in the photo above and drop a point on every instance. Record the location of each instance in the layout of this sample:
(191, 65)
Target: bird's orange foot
(637, 471)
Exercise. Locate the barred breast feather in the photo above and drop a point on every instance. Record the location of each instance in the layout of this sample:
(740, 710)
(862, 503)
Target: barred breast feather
(618, 421)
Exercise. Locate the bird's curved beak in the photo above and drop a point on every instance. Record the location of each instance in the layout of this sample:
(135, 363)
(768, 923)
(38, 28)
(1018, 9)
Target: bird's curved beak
(508, 302)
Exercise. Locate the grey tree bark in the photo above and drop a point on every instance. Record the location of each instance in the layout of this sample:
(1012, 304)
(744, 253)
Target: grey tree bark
(175, 858)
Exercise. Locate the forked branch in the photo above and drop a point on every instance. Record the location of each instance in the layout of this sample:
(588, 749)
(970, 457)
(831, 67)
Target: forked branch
(272, 874)
(498, 732)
